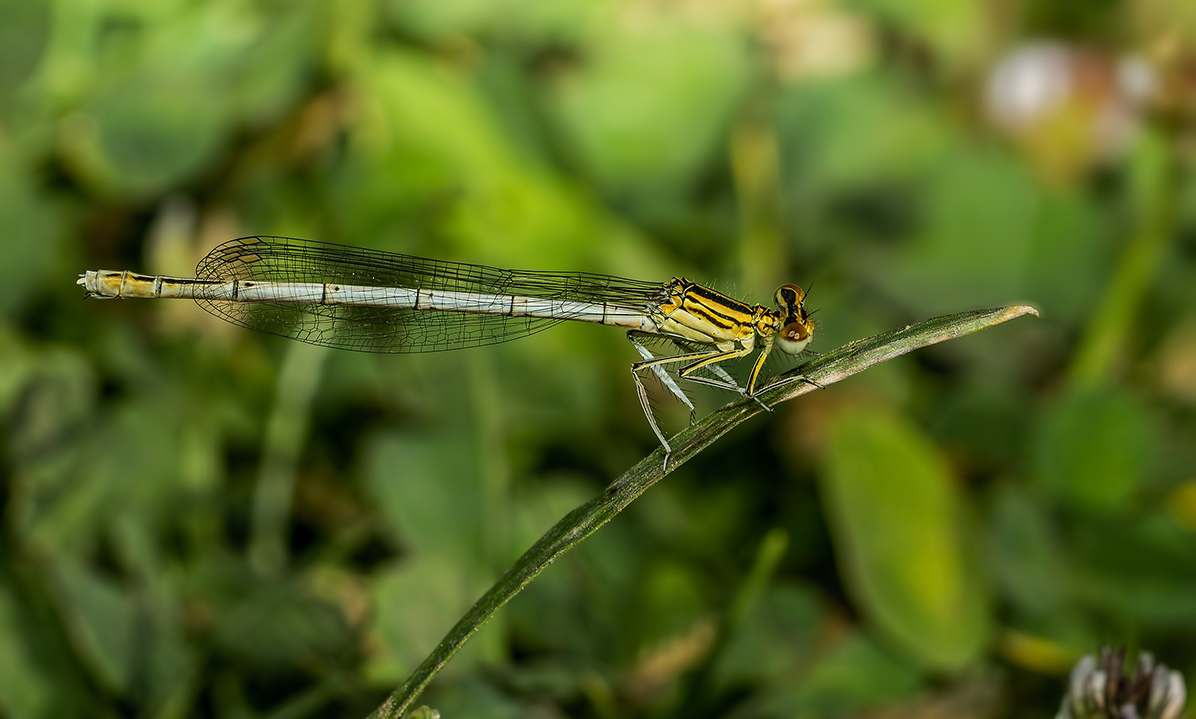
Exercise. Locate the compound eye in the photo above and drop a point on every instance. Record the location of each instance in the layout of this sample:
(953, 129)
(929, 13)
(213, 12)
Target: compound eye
(797, 332)
(793, 337)
(788, 299)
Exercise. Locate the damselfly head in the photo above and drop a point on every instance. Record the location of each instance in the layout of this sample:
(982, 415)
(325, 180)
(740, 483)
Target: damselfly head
(796, 326)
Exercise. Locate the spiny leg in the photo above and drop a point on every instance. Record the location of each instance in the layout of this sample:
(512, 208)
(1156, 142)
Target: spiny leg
(663, 376)
(722, 379)
(657, 364)
(731, 386)
(757, 367)
(642, 393)
(711, 363)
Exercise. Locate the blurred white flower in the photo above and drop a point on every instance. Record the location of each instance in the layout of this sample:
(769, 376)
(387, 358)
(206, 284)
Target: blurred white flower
(1100, 689)
(1066, 106)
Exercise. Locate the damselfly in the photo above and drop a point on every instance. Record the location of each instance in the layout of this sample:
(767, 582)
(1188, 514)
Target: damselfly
(375, 301)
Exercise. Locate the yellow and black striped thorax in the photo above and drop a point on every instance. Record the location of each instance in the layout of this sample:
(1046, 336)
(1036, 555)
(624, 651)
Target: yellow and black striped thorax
(715, 308)
(698, 313)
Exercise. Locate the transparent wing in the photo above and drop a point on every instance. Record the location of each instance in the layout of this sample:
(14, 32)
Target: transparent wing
(388, 329)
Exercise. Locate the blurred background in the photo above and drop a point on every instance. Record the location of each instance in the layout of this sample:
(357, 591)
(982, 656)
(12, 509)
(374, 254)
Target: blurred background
(203, 521)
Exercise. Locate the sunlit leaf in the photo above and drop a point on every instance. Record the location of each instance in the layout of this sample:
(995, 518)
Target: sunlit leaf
(899, 524)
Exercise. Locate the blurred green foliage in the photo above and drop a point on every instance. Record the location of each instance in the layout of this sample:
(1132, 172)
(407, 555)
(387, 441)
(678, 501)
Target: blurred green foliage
(203, 522)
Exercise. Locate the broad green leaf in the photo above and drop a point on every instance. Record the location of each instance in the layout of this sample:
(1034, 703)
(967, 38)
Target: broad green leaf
(28, 689)
(159, 102)
(651, 106)
(1094, 448)
(979, 224)
(832, 142)
(430, 142)
(426, 490)
(103, 623)
(1026, 555)
(147, 132)
(899, 527)
(1136, 573)
(282, 624)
